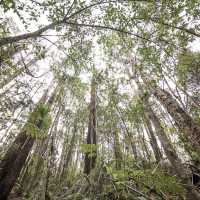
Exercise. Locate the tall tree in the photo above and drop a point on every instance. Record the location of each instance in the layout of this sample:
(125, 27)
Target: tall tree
(90, 156)
(183, 120)
(68, 154)
(153, 140)
(171, 154)
(14, 159)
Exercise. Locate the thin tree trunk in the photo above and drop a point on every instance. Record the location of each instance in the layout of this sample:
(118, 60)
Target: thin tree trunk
(153, 140)
(147, 151)
(133, 143)
(51, 153)
(117, 151)
(64, 150)
(68, 155)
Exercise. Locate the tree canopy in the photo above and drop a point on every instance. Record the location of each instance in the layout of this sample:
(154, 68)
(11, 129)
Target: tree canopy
(99, 99)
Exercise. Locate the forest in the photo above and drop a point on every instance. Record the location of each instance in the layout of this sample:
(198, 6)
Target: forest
(99, 100)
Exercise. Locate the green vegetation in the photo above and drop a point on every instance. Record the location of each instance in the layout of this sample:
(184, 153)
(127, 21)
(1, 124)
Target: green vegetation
(39, 122)
(100, 100)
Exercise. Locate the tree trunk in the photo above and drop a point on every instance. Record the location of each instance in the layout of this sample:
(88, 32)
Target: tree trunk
(51, 156)
(165, 142)
(14, 160)
(117, 150)
(68, 155)
(170, 152)
(153, 140)
(90, 157)
(35, 34)
(145, 148)
(33, 170)
(184, 122)
(130, 136)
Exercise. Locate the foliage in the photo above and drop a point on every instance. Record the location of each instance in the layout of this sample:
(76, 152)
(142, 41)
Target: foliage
(122, 45)
(89, 149)
(188, 68)
(8, 4)
(145, 180)
(135, 111)
(190, 149)
(39, 122)
(161, 181)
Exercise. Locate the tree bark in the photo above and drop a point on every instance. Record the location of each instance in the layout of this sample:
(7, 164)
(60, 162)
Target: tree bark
(117, 150)
(165, 142)
(90, 157)
(183, 120)
(170, 152)
(130, 136)
(35, 34)
(68, 155)
(15, 158)
(153, 140)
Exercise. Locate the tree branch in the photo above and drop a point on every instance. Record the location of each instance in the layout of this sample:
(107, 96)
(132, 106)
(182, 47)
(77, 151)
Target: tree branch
(110, 28)
(35, 34)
